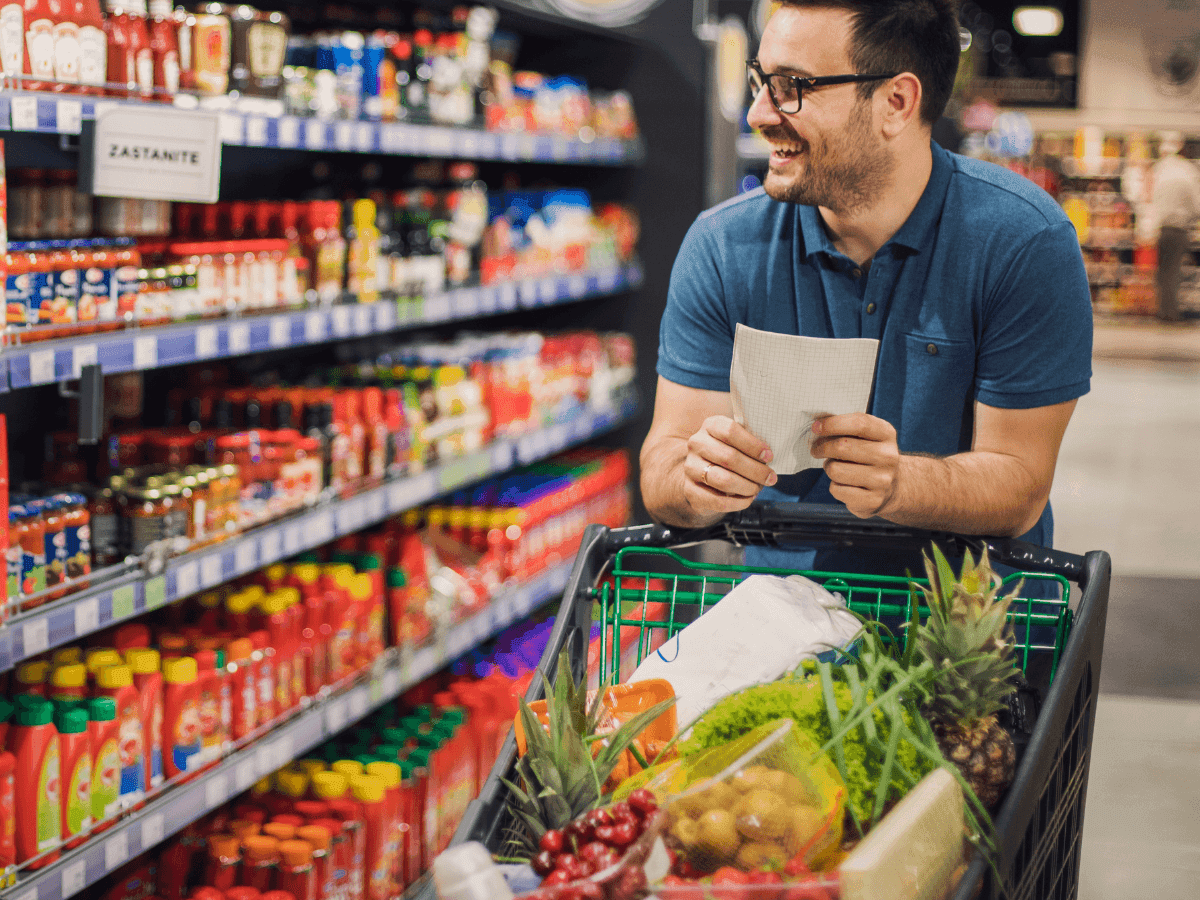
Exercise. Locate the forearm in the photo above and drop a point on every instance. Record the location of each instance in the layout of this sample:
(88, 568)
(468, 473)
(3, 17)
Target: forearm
(977, 492)
(663, 484)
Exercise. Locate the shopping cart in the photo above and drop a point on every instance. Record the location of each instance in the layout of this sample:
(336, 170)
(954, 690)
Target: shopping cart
(635, 578)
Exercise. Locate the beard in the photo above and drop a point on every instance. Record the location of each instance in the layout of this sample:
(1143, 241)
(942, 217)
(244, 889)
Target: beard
(843, 172)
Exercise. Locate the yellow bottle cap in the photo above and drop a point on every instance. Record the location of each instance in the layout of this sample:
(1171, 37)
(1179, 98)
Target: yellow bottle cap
(255, 592)
(347, 767)
(239, 603)
(292, 784)
(311, 766)
(271, 604)
(329, 785)
(33, 672)
(361, 587)
(115, 677)
(69, 676)
(210, 599)
(67, 656)
(290, 595)
(276, 573)
(98, 659)
(308, 573)
(179, 671)
(260, 787)
(142, 661)
(344, 577)
(388, 773)
(367, 789)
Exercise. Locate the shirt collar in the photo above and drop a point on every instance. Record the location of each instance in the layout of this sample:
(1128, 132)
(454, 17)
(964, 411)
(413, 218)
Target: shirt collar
(916, 228)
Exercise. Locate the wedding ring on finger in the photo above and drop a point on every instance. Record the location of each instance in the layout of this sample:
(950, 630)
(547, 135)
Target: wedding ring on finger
(704, 477)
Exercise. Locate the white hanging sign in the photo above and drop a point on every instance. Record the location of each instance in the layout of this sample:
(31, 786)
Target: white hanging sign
(157, 154)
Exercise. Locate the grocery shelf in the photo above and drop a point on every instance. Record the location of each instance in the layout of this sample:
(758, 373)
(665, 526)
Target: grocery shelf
(140, 349)
(28, 111)
(161, 582)
(180, 805)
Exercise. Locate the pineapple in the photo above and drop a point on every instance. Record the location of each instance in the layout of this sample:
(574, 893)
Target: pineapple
(563, 769)
(967, 638)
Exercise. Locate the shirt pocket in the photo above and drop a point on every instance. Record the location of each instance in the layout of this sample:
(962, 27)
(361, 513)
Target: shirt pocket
(937, 395)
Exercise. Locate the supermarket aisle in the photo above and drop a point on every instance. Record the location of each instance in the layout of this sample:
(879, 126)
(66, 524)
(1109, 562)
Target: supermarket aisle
(1127, 483)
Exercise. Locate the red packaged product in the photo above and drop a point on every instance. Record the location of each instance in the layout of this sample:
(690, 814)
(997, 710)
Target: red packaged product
(8, 810)
(164, 50)
(224, 860)
(297, 875)
(318, 838)
(243, 686)
(260, 860)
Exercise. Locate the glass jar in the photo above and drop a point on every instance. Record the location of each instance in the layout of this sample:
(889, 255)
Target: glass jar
(78, 530)
(106, 532)
(147, 511)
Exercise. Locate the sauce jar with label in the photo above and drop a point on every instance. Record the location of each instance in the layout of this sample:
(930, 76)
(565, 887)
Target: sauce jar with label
(77, 526)
(146, 510)
(211, 49)
(106, 533)
(127, 262)
(28, 531)
(258, 52)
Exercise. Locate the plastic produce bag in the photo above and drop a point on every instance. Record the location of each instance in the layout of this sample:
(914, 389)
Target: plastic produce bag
(764, 627)
(767, 799)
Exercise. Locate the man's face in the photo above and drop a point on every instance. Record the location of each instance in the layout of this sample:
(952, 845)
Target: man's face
(829, 153)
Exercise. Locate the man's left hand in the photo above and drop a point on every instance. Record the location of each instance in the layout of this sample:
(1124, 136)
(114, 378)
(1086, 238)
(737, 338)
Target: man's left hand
(862, 460)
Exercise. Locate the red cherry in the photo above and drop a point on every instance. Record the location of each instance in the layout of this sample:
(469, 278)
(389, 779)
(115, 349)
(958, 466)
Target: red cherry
(589, 890)
(622, 812)
(543, 863)
(552, 841)
(593, 851)
(577, 834)
(570, 864)
(643, 802)
(598, 817)
(555, 878)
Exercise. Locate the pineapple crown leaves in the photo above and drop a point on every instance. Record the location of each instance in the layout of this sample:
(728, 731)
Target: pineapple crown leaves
(559, 776)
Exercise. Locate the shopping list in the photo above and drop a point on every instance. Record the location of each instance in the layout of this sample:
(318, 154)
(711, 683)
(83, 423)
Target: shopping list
(781, 383)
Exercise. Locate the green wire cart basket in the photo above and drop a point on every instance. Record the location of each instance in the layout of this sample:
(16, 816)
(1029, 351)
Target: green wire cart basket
(633, 577)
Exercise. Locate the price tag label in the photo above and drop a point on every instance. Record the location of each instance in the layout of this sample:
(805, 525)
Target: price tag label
(470, 144)
(289, 132)
(87, 616)
(468, 303)
(343, 136)
(206, 342)
(284, 751)
(145, 353)
(231, 128)
(70, 116)
(509, 146)
(314, 328)
(391, 683)
(187, 578)
(239, 338)
(293, 537)
(28, 895)
(440, 141)
(375, 507)
(606, 279)
(314, 135)
(246, 555)
(321, 527)
(24, 114)
(437, 309)
(576, 286)
(365, 138)
(358, 704)
(245, 774)
(271, 548)
(152, 831)
(558, 148)
(281, 331)
(547, 290)
(156, 592)
(216, 791)
(508, 296)
(122, 602)
(411, 491)
(74, 878)
(341, 321)
(335, 716)
(35, 636)
(362, 320)
(389, 139)
(41, 367)
(256, 131)
(527, 146)
(83, 355)
(210, 570)
(116, 851)
(385, 316)
(528, 292)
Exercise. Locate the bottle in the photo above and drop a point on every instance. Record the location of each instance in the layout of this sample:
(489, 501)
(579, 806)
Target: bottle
(263, 665)
(66, 46)
(389, 774)
(68, 683)
(208, 690)
(117, 682)
(243, 686)
(340, 856)
(363, 253)
(275, 608)
(147, 678)
(133, 636)
(122, 59)
(224, 860)
(369, 792)
(164, 50)
(297, 875)
(319, 839)
(38, 776)
(93, 48)
(181, 716)
(325, 249)
(260, 859)
(8, 820)
(31, 677)
(103, 735)
(7, 709)
(139, 42)
(75, 750)
(40, 18)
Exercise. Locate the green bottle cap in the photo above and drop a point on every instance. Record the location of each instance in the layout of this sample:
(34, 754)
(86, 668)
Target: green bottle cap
(7, 708)
(424, 712)
(388, 752)
(310, 558)
(369, 562)
(220, 660)
(455, 714)
(345, 557)
(71, 720)
(419, 758)
(396, 578)
(397, 736)
(35, 714)
(102, 709)
(24, 701)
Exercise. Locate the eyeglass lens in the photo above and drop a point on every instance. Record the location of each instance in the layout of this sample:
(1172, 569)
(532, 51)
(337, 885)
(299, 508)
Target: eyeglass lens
(782, 88)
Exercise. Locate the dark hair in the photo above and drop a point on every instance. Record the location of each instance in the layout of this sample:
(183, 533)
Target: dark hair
(918, 36)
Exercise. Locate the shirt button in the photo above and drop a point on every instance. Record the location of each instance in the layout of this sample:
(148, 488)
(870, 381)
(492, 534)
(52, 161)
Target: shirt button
(870, 308)
(931, 349)
(856, 272)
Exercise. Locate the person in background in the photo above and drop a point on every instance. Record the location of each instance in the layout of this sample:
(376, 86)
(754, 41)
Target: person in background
(970, 276)
(1175, 207)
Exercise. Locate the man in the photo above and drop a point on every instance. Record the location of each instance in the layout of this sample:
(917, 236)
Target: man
(1175, 206)
(970, 277)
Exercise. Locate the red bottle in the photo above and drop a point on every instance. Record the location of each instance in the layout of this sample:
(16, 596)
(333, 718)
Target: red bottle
(164, 50)
(75, 751)
(371, 796)
(224, 858)
(297, 875)
(264, 676)
(319, 838)
(260, 859)
(139, 42)
(122, 59)
(243, 686)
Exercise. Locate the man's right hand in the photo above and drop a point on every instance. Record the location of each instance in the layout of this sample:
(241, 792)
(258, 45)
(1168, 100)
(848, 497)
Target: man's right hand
(698, 465)
(725, 468)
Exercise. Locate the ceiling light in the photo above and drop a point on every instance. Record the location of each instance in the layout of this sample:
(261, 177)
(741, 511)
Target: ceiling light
(1038, 21)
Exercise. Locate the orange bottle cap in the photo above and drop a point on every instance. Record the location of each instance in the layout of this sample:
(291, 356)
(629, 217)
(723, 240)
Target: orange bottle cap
(243, 828)
(260, 847)
(223, 846)
(296, 853)
(279, 831)
(238, 649)
(316, 836)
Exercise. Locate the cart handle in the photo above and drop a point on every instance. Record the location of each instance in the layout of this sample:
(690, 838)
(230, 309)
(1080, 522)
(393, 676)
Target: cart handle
(775, 524)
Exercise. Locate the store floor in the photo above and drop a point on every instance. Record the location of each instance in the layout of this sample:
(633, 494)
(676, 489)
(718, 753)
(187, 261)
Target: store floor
(1129, 482)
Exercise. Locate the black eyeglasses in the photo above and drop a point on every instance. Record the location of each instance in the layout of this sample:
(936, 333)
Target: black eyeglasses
(787, 91)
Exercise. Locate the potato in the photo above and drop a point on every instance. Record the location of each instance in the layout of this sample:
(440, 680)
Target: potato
(718, 837)
(804, 824)
(758, 854)
(762, 816)
(686, 831)
(748, 779)
(786, 785)
(719, 796)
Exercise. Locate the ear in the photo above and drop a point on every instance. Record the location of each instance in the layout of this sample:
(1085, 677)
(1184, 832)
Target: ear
(900, 102)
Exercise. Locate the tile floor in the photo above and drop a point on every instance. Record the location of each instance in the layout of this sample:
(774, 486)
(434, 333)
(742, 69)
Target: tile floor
(1129, 482)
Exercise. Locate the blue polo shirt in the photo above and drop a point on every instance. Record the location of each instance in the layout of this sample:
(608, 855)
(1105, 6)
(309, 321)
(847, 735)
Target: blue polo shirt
(980, 296)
